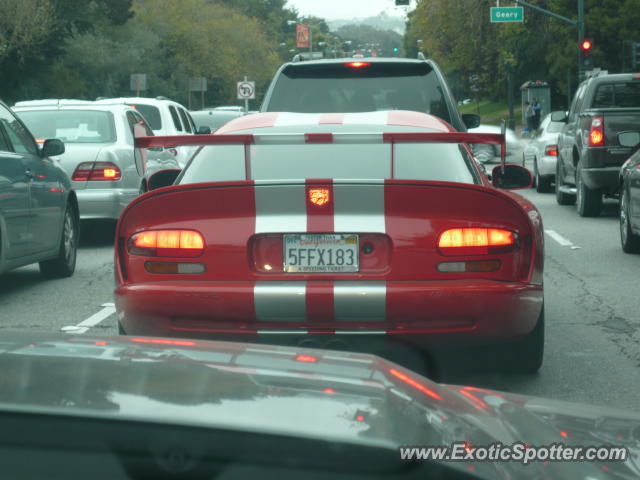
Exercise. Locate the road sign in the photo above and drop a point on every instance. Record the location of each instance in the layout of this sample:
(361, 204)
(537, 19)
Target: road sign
(198, 84)
(246, 90)
(302, 35)
(507, 14)
(138, 82)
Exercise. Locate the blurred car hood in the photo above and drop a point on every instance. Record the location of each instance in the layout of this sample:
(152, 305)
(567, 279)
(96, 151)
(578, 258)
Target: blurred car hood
(300, 392)
(511, 139)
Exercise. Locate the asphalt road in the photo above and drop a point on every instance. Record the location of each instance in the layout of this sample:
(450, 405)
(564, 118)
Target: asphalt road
(593, 335)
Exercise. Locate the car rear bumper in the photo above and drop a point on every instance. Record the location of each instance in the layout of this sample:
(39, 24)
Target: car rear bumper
(104, 203)
(425, 312)
(547, 166)
(601, 178)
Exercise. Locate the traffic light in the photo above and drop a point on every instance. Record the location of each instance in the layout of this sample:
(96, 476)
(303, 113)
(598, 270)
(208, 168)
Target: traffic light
(395, 49)
(586, 47)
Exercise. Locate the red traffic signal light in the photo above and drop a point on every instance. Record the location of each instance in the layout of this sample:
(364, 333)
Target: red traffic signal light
(585, 46)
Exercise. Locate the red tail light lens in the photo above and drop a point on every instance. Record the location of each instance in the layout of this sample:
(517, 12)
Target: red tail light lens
(596, 134)
(167, 243)
(551, 150)
(477, 241)
(99, 171)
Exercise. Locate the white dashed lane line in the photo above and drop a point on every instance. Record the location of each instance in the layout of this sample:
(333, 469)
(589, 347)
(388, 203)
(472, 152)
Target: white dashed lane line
(108, 309)
(564, 242)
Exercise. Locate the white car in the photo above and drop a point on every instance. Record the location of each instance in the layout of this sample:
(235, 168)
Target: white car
(542, 153)
(490, 153)
(99, 152)
(165, 117)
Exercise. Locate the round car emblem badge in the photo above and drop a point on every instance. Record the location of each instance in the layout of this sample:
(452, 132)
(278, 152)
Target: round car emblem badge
(319, 196)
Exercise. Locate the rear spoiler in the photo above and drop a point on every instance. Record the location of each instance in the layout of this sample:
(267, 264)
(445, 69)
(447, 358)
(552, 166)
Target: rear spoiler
(391, 138)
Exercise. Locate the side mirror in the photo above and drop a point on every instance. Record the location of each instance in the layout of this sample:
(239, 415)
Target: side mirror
(512, 178)
(163, 178)
(203, 130)
(629, 139)
(471, 120)
(52, 147)
(559, 116)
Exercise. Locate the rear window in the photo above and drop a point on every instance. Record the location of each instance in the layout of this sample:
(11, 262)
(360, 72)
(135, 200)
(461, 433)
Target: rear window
(71, 126)
(617, 95)
(348, 160)
(376, 86)
(151, 115)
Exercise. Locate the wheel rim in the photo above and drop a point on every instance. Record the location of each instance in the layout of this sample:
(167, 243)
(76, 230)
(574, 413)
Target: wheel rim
(624, 225)
(69, 238)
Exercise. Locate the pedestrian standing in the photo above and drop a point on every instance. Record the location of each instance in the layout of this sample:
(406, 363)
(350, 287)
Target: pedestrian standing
(537, 111)
(529, 116)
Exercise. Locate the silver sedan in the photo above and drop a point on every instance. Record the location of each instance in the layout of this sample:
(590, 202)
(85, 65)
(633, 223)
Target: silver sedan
(100, 154)
(542, 153)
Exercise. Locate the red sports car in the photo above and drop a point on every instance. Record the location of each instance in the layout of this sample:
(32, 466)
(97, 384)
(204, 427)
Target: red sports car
(336, 230)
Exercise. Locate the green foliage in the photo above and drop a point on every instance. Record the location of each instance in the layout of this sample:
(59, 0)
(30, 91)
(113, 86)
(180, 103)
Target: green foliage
(459, 36)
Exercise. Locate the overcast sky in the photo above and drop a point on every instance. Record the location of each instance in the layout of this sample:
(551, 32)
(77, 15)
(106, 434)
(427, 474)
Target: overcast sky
(333, 9)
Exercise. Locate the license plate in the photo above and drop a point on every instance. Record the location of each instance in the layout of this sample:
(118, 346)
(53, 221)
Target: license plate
(321, 253)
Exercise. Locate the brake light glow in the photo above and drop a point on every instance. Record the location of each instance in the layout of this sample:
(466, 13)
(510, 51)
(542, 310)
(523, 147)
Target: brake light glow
(358, 64)
(477, 241)
(167, 243)
(596, 134)
(415, 384)
(306, 358)
(96, 171)
(551, 150)
(164, 341)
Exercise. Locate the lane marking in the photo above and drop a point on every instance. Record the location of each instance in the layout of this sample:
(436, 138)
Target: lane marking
(108, 309)
(559, 238)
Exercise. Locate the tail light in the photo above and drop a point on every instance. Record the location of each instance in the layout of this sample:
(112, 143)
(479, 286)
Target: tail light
(173, 151)
(100, 171)
(357, 64)
(596, 134)
(477, 241)
(551, 150)
(167, 243)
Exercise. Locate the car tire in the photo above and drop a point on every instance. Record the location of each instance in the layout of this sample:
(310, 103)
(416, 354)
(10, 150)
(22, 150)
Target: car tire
(588, 201)
(562, 198)
(525, 355)
(542, 183)
(630, 241)
(65, 263)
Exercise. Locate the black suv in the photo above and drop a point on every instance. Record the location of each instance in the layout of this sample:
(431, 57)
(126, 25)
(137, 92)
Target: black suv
(347, 85)
(590, 155)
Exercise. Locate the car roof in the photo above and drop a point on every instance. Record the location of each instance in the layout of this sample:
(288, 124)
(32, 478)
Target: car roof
(340, 61)
(147, 100)
(51, 102)
(78, 106)
(379, 121)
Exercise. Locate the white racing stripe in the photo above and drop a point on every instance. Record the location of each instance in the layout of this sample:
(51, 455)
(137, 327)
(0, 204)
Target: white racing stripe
(108, 309)
(559, 238)
(367, 118)
(296, 119)
(358, 209)
(280, 301)
(281, 209)
(359, 301)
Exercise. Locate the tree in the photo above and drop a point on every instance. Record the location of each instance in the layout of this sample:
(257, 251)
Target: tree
(24, 26)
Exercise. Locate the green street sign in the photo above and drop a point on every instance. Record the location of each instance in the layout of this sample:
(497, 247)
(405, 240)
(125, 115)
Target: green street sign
(507, 14)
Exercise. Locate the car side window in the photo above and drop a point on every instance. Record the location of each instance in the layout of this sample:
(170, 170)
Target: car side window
(577, 102)
(175, 118)
(20, 139)
(185, 120)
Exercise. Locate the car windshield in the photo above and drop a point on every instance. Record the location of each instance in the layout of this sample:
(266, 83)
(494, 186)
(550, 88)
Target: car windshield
(359, 87)
(151, 114)
(617, 95)
(71, 126)
(347, 159)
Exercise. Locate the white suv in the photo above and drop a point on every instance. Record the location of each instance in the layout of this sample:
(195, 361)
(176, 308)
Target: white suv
(165, 117)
